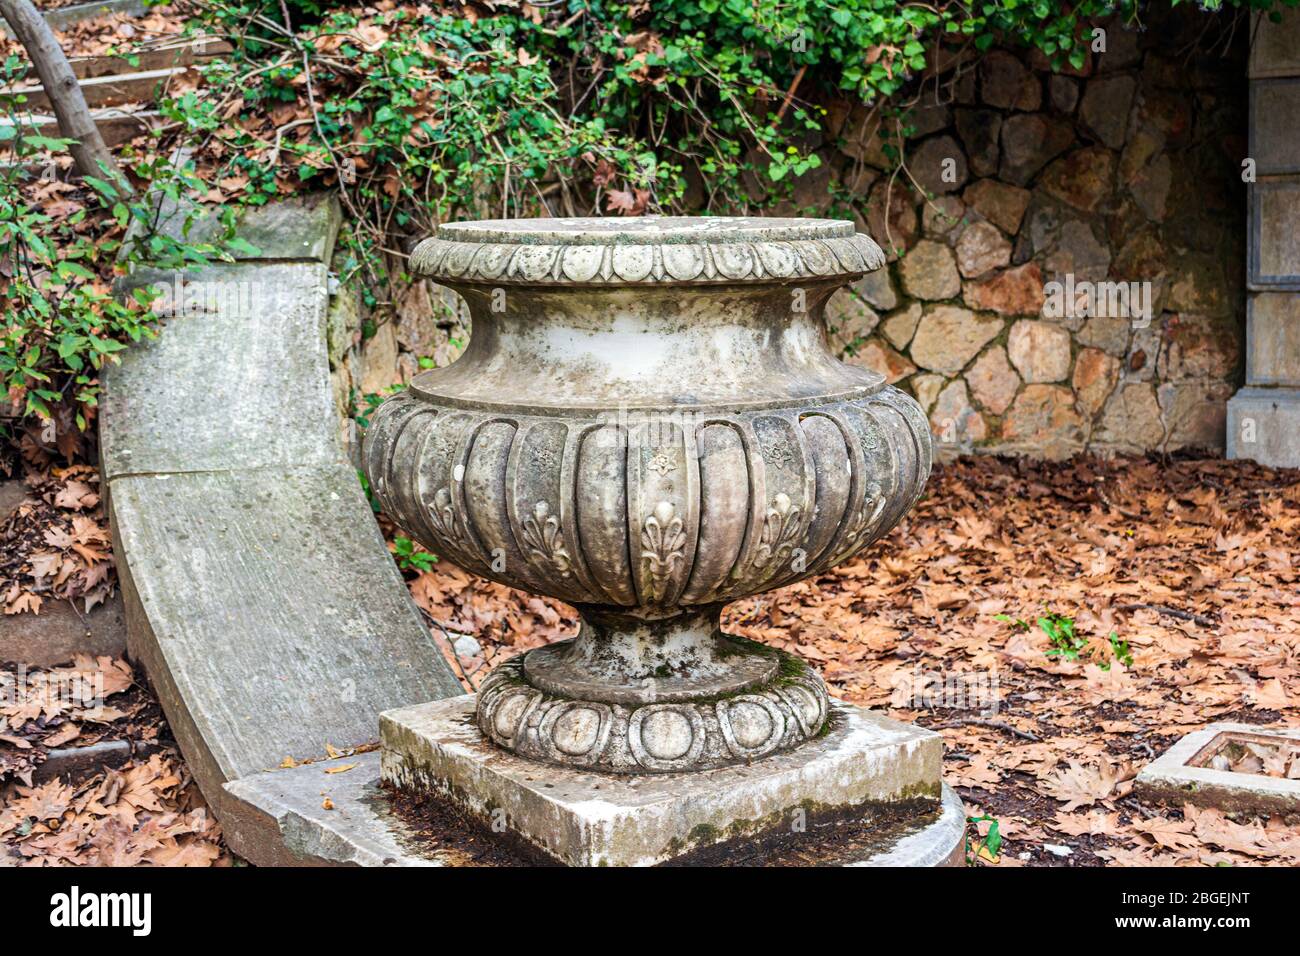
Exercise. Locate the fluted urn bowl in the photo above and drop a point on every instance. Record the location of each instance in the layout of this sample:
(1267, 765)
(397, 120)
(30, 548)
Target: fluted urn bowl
(648, 423)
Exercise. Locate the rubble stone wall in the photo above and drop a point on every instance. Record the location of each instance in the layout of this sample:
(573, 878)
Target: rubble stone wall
(1125, 171)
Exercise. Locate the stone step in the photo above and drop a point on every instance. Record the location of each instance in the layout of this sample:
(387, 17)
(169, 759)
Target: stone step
(60, 632)
(308, 814)
(115, 124)
(110, 89)
(75, 764)
(159, 57)
(64, 17)
(115, 80)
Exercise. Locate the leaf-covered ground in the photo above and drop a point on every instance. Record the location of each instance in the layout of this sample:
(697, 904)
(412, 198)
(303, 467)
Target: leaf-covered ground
(145, 812)
(1190, 564)
(113, 32)
(55, 544)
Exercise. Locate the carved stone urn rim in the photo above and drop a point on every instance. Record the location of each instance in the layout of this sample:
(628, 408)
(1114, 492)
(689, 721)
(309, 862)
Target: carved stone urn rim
(645, 250)
(420, 388)
(643, 230)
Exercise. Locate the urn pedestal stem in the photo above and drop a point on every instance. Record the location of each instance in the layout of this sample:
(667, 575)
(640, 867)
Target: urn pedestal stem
(620, 659)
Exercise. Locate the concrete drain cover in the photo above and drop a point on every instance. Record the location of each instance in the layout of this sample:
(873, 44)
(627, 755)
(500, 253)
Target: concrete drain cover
(1234, 767)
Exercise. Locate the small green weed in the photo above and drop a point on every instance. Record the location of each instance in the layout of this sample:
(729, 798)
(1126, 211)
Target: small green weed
(411, 557)
(1069, 645)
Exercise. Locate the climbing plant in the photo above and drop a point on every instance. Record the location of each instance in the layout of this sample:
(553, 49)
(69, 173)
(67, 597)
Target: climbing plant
(420, 113)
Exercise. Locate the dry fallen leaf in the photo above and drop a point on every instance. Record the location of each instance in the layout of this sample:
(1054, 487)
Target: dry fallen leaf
(1173, 834)
(1080, 786)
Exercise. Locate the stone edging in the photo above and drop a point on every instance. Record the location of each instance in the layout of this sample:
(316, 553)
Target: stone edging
(1172, 778)
(261, 600)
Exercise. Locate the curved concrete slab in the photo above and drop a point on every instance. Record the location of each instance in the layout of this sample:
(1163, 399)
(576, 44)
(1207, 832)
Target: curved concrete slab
(260, 597)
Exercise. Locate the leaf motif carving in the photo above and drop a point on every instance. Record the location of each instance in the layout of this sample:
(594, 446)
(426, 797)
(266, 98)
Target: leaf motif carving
(545, 541)
(670, 262)
(442, 514)
(865, 519)
(663, 547)
(781, 529)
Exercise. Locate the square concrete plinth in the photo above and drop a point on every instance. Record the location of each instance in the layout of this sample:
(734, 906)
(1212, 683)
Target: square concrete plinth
(865, 762)
(1183, 774)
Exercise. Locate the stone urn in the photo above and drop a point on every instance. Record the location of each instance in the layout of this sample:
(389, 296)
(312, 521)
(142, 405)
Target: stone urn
(648, 423)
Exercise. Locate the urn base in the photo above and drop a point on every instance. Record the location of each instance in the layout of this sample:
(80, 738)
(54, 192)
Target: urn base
(867, 790)
(785, 708)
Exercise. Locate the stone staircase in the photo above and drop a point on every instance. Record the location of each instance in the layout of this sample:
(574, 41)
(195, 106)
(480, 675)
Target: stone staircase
(120, 91)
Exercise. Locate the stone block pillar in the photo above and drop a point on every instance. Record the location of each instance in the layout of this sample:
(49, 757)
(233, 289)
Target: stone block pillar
(1264, 417)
